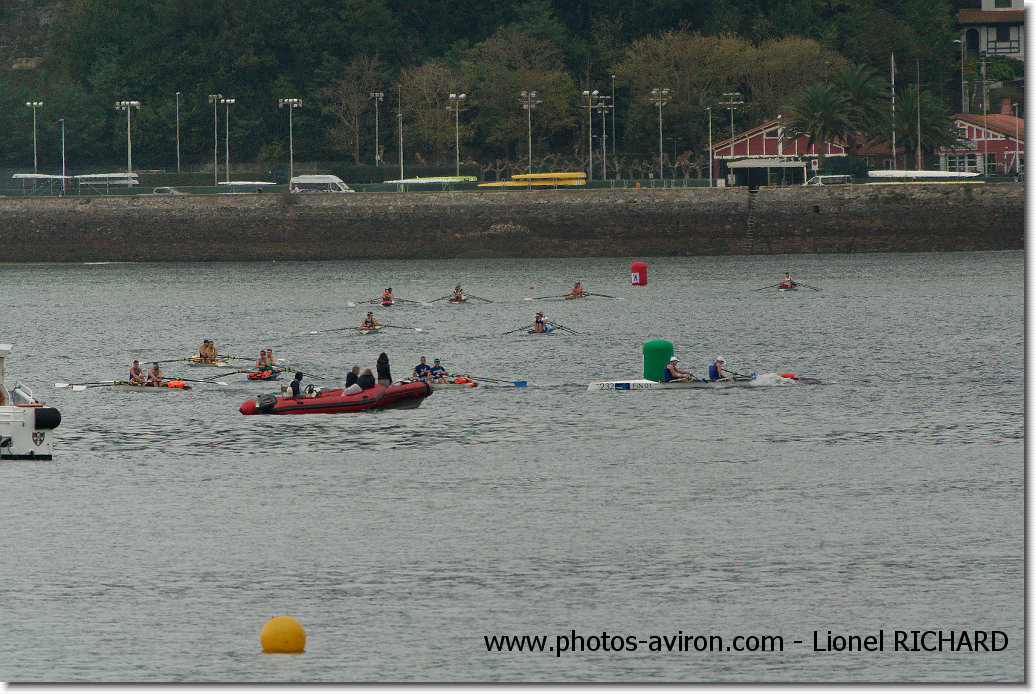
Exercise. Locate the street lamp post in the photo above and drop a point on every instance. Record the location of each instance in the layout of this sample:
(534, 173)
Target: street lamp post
(399, 113)
(177, 132)
(62, 156)
(733, 101)
(291, 104)
(226, 135)
(457, 105)
(128, 107)
(963, 99)
(1014, 107)
(613, 129)
(34, 105)
(377, 96)
(529, 101)
(590, 96)
(660, 97)
(214, 99)
(603, 107)
(709, 109)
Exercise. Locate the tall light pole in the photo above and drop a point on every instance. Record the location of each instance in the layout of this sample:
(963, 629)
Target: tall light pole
(660, 97)
(603, 107)
(1014, 107)
(177, 132)
(457, 105)
(590, 96)
(399, 113)
(128, 107)
(377, 96)
(62, 156)
(291, 104)
(613, 129)
(709, 109)
(529, 101)
(226, 135)
(733, 101)
(214, 99)
(34, 105)
(963, 99)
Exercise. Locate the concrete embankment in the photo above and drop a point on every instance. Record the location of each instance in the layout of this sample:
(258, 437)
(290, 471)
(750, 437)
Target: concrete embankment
(537, 223)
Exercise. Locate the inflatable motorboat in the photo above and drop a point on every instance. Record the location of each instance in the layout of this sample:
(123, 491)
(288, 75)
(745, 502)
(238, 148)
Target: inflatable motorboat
(399, 395)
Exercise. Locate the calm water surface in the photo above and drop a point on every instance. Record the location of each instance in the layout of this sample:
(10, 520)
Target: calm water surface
(168, 529)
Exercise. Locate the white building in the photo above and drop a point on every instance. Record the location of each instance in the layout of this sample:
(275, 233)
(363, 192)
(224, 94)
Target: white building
(995, 28)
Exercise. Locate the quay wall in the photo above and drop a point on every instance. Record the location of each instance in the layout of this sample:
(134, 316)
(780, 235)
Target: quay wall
(515, 223)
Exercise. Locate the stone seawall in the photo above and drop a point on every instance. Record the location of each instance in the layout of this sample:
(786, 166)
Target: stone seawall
(537, 223)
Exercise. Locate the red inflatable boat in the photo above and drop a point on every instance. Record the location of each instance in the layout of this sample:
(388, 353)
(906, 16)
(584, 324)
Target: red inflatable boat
(401, 395)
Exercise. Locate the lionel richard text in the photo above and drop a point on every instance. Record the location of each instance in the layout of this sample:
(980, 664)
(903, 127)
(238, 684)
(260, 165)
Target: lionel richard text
(914, 640)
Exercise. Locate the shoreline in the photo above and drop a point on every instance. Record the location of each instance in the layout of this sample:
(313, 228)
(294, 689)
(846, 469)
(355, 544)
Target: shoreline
(525, 223)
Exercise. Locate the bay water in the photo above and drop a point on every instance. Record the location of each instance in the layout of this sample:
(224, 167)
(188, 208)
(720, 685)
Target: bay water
(169, 528)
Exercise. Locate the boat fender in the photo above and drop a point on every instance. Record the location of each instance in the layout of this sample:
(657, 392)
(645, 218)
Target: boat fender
(460, 379)
(47, 417)
(266, 402)
(176, 384)
(787, 374)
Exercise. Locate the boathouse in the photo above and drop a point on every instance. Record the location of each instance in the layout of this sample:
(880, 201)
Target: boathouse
(763, 156)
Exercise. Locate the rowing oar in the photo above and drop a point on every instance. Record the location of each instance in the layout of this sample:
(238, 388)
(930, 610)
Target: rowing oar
(403, 327)
(524, 327)
(807, 286)
(735, 374)
(472, 296)
(440, 298)
(334, 330)
(227, 356)
(606, 296)
(516, 384)
(769, 286)
(539, 298)
(89, 383)
(561, 327)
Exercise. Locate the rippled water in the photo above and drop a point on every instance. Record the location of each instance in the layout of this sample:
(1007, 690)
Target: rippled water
(168, 529)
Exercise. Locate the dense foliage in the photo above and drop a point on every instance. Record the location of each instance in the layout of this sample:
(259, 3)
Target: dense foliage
(334, 54)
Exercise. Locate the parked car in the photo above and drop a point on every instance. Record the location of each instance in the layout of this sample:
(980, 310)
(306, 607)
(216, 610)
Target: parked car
(166, 190)
(318, 183)
(829, 180)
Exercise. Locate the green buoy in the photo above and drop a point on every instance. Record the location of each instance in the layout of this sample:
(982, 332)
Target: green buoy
(656, 355)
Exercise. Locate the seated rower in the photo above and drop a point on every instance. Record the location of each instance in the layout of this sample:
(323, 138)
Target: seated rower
(137, 374)
(577, 292)
(370, 322)
(672, 373)
(716, 371)
(458, 293)
(438, 372)
(387, 296)
(261, 364)
(787, 282)
(270, 360)
(422, 370)
(154, 376)
(540, 324)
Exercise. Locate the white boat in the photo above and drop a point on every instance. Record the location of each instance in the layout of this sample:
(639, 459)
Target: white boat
(26, 425)
(196, 361)
(771, 379)
(144, 388)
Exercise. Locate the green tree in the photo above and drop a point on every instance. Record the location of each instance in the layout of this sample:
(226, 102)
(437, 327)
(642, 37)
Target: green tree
(867, 100)
(936, 126)
(820, 112)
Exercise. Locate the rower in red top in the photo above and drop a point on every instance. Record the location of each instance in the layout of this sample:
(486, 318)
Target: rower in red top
(577, 292)
(787, 282)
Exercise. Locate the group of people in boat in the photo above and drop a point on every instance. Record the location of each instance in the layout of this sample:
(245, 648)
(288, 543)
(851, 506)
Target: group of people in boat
(153, 377)
(355, 381)
(540, 324)
(673, 373)
(266, 361)
(207, 352)
(432, 374)
(787, 282)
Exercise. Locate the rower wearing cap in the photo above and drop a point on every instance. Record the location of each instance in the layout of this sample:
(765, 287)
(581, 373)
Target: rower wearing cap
(458, 294)
(154, 376)
(674, 373)
(370, 322)
(137, 374)
(438, 372)
(540, 324)
(716, 371)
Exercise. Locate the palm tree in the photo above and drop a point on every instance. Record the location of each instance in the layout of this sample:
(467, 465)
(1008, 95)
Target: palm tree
(867, 97)
(936, 127)
(820, 112)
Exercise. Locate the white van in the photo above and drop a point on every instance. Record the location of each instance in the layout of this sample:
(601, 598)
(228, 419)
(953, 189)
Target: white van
(840, 179)
(318, 183)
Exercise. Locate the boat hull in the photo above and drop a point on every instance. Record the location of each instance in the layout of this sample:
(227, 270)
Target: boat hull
(195, 361)
(263, 375)
(741, 382)
(166, 387)
(400, 395)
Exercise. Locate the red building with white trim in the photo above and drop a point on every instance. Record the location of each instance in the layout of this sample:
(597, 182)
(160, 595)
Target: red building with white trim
(993, 143)
(763, 156)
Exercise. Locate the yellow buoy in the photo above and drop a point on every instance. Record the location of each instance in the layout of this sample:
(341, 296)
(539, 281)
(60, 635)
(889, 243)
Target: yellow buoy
(283, 635)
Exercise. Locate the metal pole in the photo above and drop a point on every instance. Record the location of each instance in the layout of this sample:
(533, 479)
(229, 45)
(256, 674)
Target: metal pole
(963, 100)
(709, 109)
(377, 96)
(590, 95)
(291, 144)
(613, 128)
(129, 144)
(893, 71)
(63, 156)
(604, 141)
(528, 110)
(34, 160)
(920, 164)
(214, 99)
(1016, 169)
(400, 113)
(226, 137)
(985, 122)
(661, 173)
(456, 134)
(177, 132)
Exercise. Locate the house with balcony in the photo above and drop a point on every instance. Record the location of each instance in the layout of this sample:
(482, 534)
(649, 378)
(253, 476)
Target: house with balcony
(992, 27)
(992, 143)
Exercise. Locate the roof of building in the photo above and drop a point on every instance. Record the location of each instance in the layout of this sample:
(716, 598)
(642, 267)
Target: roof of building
(1003, 124)
(751, 132)
(971, 16)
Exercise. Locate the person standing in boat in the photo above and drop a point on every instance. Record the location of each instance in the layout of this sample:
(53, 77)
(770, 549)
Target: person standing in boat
(787, 282)
(154, 376)
(577, 291)
(366, 379)
(716, 371)
(422, 370)
(370, 322)
(673, 373)
(438, 372)
(384, 374)
(137, 374)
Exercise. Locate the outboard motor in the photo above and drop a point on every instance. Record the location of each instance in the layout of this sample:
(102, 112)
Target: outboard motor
(265, 403)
